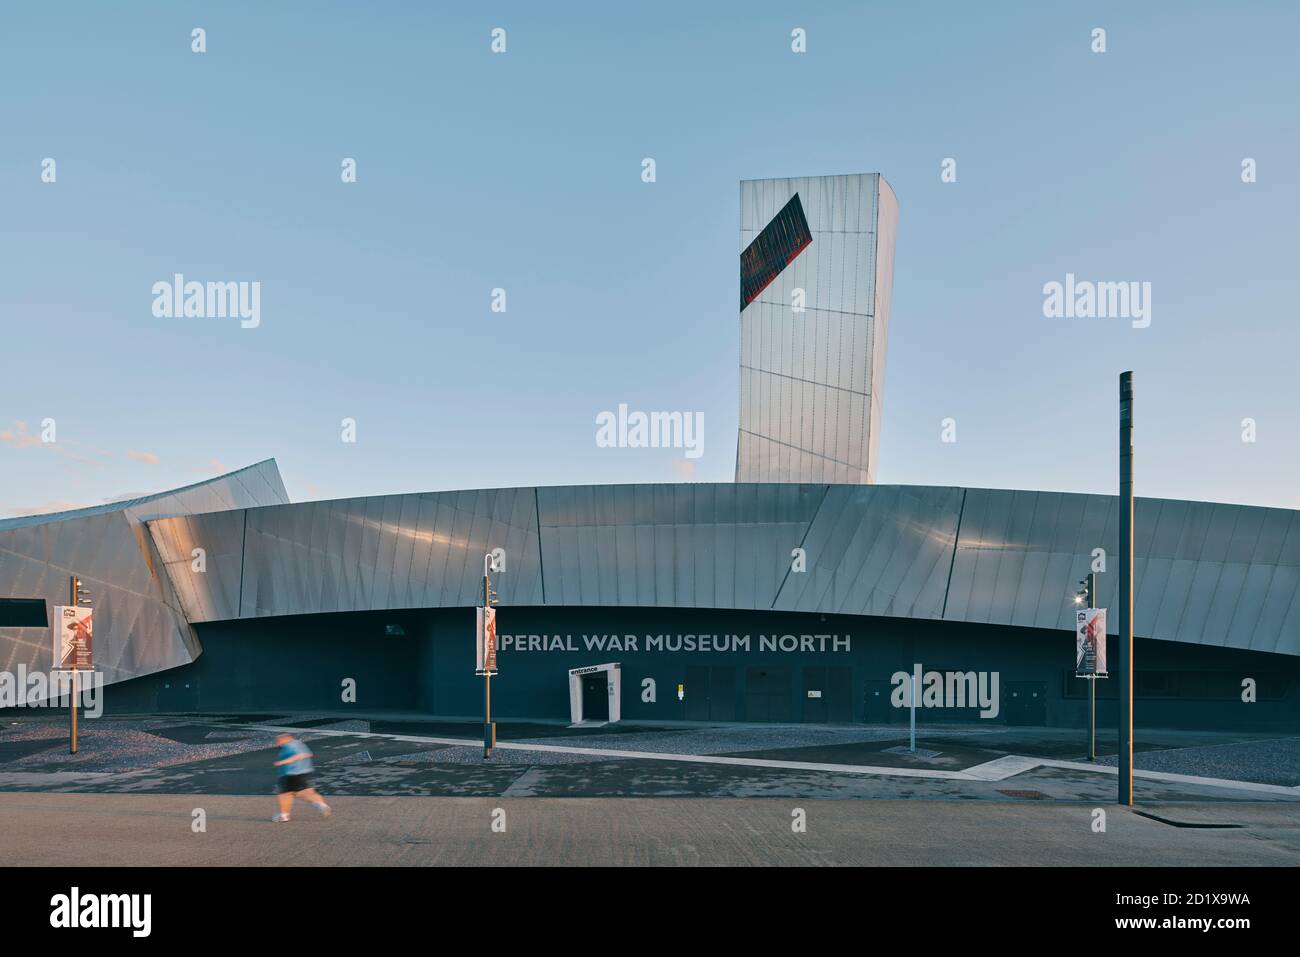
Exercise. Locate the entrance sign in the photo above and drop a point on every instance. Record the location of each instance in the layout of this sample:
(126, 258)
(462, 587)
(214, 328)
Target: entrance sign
(1090, 642)
(73, 638)
(581, 684)
(486, 643)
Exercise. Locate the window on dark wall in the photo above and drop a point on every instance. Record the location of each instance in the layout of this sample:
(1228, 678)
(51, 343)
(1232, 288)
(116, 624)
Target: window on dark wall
(23, 613)
(781, 240)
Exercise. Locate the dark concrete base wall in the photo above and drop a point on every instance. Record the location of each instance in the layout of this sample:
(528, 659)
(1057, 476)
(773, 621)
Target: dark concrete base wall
(294, 663)
(303, 663)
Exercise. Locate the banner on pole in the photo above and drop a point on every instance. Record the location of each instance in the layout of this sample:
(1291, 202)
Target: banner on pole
(1090, 642)
(73, 638)
(486, 656)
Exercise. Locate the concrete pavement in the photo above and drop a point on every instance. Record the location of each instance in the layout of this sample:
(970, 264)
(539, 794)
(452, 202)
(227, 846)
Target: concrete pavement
(157, 829)
(410, 758)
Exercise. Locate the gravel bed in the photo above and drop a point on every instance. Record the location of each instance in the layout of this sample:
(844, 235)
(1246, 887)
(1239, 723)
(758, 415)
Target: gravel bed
(1275, 761)
(353, 725)
(721, 740)
(474, 755)
(118, 747)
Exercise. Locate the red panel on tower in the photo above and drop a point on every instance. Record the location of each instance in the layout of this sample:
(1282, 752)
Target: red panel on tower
(781, 240)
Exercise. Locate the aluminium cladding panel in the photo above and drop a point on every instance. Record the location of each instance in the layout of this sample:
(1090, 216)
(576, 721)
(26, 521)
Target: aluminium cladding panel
(1185, 553)
(877, 550)
(1224, 575)
(258, 484)
(1020, 555)
(394, 551)
(209, 592)
(806, 378)
(1253, 601)
(1214, 574)
(137, 628)
(685, 545)
(886, 233)
(140, 627)
(1278, 628)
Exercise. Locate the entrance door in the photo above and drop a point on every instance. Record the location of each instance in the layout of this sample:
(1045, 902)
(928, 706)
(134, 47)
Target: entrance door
(839, 688)
(595, 697)
(767, 694)
(710, 693)
(697, 693)
(815, 695)
(1025, 703)
(827, 694)
(722, 693)
(876, 708)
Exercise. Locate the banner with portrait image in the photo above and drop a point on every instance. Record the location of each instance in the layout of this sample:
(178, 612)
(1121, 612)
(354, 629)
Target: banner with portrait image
(73, 638)
(486, 650)
(1090, 642)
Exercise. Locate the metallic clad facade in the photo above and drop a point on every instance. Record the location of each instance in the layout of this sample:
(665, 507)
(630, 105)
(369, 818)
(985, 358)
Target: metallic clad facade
(877, 550)
(1226, 575)
(139, 624)
(393, 551)
(683, 546)
(811, 382)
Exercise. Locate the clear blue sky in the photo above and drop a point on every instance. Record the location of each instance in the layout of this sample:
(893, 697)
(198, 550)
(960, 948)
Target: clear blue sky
(522, 171)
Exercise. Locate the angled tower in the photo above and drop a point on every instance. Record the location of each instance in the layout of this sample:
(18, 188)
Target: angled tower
(816, 270)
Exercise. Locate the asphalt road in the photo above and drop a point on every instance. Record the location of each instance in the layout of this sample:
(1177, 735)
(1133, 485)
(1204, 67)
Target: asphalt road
(156, 829)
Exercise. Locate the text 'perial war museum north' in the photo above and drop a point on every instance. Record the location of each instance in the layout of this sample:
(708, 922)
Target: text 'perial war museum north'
(682, 601)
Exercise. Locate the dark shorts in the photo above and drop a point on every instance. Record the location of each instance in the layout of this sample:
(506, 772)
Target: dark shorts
(291, 783)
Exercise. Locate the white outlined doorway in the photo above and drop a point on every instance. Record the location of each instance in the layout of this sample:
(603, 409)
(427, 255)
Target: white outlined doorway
(595, 694)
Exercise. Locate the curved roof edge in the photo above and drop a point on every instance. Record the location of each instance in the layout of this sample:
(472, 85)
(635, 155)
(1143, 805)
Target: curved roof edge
(1226, 575)
(140, 625)
(264, 469)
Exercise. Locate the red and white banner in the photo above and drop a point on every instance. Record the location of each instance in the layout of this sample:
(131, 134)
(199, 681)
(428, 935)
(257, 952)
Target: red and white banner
(486, 659)
(1090, 642)
(73, 638)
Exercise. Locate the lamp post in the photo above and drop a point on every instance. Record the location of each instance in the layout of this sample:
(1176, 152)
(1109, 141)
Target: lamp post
(1125, 596)
(79, 596)
(1088, 596)
(489, 653)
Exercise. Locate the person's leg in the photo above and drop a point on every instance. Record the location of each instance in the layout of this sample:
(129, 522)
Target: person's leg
(311, 794)
(285, 800)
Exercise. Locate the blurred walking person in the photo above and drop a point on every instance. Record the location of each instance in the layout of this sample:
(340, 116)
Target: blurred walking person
(294, 769)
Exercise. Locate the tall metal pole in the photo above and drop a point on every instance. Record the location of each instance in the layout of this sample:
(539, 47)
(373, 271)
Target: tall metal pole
(1125, 596)
(912, 735)
(488, 733)
(1092, 679)
(487, 674)
(59, 624)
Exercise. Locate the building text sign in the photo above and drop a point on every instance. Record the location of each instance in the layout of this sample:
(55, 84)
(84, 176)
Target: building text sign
(678, 643)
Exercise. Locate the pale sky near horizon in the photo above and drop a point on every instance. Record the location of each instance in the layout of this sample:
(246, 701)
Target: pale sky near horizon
(522, 171)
